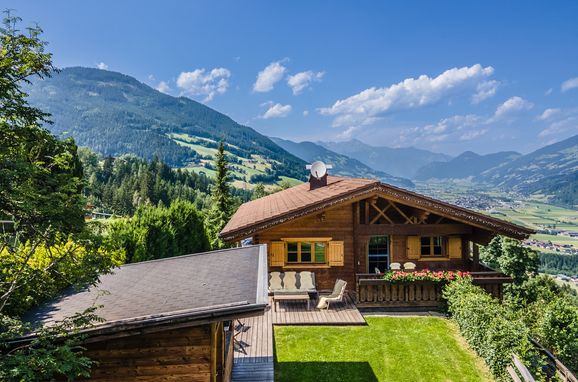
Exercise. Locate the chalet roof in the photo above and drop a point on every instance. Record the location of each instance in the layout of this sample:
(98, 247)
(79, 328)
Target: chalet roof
(298, 201)
(184, 288)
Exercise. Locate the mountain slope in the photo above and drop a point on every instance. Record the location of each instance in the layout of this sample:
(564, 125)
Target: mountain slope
(402, 162)
(464, 165)
(115, 114)
(558, 159)
(342, 165)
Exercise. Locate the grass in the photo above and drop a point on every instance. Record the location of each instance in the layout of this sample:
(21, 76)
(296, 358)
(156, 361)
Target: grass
(387, 349)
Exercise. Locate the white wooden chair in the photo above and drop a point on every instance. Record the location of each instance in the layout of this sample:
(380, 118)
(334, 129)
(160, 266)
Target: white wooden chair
(376, 270)
(336, 296)
(395, 266)
(409, 266)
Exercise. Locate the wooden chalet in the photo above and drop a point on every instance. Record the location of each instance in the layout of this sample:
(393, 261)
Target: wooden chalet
(340, 227)
(169, 319)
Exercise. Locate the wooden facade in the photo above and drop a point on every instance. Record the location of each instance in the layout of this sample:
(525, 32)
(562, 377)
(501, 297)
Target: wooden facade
(353, 224)
(196, 353)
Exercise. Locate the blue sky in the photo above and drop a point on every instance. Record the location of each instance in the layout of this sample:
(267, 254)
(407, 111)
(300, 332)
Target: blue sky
(445, 76)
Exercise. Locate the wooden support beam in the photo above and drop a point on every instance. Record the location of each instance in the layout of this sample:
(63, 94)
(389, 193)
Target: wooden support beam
(407, 219)
(380, 213)
(414, 229)
(476, 258)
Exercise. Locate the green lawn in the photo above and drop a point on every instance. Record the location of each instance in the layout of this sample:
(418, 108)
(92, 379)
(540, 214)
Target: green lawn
(388, 349)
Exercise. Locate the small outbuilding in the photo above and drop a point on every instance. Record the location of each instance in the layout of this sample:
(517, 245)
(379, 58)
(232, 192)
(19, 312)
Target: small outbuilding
(170, 319)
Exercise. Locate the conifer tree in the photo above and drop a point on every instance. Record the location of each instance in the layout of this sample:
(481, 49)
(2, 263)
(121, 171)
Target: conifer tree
(221, 200)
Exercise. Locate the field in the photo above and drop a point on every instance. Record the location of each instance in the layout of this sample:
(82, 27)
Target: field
(532, 212)
(387, 349)
(241, 168)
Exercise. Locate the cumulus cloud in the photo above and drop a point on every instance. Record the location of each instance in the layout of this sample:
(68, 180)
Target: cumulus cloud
(268, 77)
(303, 80)
(305, 113)
(163, 87)
(562, 126)
(203, 83)
(548, 113)
(458, 126)
(366, 107)
(511, 106)
(485, 90)
(276, 110)
(102, 66)
(569, 84)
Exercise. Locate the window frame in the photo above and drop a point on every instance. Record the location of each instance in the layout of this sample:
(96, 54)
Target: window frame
(313, 254)
(432, 246)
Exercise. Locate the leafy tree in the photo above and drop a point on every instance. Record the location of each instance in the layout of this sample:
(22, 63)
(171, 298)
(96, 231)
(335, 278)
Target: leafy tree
(221, 202)
(259, 191)
(511, 257)
(40, 191)
(160, 232)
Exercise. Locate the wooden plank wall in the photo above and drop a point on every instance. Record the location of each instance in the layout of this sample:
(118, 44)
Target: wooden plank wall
(172, 355)
(335, 223)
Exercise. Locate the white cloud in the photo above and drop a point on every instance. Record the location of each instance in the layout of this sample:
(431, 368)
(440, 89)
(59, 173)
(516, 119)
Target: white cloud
(200, 82)
(303, 80)
(559, 127)
(365, 107)
(163, 87)
(268, 77)
(471, 135)
(511, 106)
(305, 113)
(485, 90)
(276, 111)
(548, 92)
(102, 66)
(462, 127)
(548, 113)
(569, 84)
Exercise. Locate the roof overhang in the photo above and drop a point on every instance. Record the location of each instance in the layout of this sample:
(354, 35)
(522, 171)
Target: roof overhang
(460, 214)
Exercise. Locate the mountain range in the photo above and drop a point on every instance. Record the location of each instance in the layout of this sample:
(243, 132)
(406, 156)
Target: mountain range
(402, 162)
(115, 114)
(342, 164)
(467, 164)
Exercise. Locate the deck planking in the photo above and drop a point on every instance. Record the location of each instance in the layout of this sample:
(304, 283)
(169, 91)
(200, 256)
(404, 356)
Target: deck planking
(255, 363)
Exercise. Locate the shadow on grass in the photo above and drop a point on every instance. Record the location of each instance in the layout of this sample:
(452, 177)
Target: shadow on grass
(324, 371)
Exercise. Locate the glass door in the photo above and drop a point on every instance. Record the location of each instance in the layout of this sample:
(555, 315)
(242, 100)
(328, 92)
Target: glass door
(378, 254)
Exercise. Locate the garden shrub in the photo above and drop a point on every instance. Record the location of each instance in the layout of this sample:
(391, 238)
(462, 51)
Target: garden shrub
(487, 326)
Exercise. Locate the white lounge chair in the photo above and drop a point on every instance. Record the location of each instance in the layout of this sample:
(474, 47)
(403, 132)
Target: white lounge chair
(335, 296)
(409, 266)
(395, 266)
(290, 281)
(377, 270)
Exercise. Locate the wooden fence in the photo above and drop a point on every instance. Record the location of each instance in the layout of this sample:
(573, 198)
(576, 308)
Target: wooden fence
(373, 291)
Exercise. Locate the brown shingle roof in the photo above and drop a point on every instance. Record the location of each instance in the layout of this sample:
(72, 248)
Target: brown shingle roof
(183, 288)
(290, 201)
(298, 201)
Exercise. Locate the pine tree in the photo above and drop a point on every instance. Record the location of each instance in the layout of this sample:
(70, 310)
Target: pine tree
(221, 200)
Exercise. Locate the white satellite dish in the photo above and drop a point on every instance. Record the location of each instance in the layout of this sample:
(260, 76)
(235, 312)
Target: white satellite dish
(318, 169)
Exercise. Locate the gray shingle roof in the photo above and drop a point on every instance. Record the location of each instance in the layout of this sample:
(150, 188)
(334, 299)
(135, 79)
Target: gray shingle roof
(184, 287)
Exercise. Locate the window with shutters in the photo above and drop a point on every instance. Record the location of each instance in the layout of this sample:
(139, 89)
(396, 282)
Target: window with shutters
(433, 246)
(305, 252)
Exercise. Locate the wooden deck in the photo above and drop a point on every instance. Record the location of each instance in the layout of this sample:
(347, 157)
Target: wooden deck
(254, 351)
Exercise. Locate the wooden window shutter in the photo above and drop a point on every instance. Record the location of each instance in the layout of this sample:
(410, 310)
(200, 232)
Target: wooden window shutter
(455, 247)
(336, 253)
(413, 247)
(277, 257)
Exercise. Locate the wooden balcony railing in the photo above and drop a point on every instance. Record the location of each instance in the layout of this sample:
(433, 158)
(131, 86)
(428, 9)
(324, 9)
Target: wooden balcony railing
(373, 291)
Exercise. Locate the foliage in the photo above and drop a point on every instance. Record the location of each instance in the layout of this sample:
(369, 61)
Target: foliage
(386, 349)
(121, 185)
(490, 329)
(556, 263)
(511, 257)
(558, 330)
(40, 191)
(221, 202)
(160, 232)
(259, 191)
(41, 357)
(33, 273)
(424, 275)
